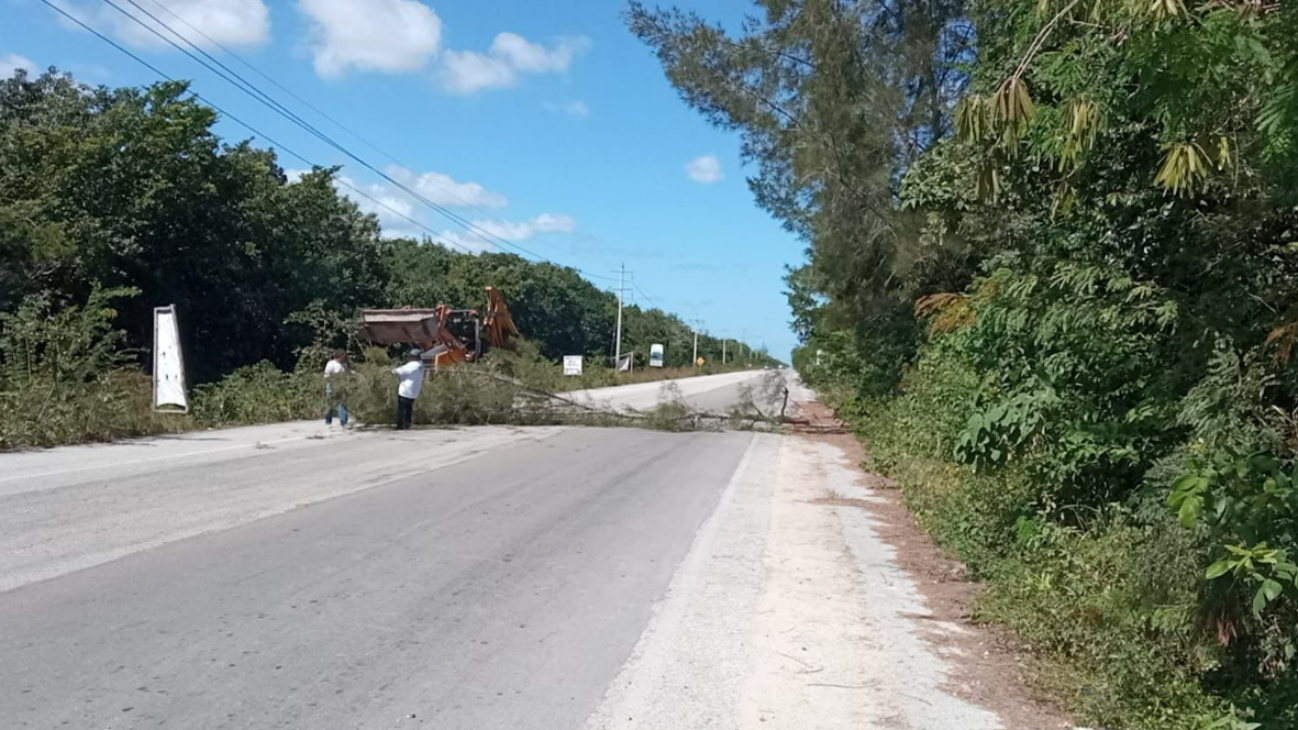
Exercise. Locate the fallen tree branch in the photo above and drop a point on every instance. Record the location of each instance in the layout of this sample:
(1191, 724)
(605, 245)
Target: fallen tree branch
(632, 415)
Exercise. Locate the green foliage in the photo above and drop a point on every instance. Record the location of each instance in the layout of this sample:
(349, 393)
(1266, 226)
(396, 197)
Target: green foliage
(108, 192)
(61, 376)
(1068, 297)
(1106, 601)
(260, 393)
(130, 187)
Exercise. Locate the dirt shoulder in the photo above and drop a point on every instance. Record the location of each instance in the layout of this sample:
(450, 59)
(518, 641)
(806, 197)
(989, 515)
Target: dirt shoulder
(809, 601)
(986, 666)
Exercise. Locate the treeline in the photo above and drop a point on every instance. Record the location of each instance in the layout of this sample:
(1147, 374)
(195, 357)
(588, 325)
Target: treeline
(1052, 279)
(114, 201)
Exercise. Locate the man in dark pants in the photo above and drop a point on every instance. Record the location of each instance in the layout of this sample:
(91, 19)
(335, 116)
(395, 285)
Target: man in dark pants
(411, 376)
(335, 383)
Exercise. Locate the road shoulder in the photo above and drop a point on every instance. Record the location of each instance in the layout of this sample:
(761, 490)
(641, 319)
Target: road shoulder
(984, 664)
(794, 610)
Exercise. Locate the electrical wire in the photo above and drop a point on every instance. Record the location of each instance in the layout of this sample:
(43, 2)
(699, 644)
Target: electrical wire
(252, 89)
(272, 80)
(235, 79)
(357, 135)
(241, 122)
(646, 296)
(286, 90)
(266, 100)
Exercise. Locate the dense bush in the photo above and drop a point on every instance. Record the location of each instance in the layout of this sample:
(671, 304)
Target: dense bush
(62, 378)
(114, 201)
(260, 393)
(1053, 281)
(1140, 622)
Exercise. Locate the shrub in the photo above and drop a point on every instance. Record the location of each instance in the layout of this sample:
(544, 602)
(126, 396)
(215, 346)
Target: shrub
(64, 378)
(260, 393)
(1105, 596)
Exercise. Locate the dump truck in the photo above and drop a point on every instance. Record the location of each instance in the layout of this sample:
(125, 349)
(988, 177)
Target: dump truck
(446, 336)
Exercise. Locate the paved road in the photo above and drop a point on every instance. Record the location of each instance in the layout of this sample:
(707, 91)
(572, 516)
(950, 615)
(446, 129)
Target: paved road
(714, 393)
(291, 576)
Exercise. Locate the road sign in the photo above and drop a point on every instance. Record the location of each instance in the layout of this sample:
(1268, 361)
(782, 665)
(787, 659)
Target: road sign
(168, 362)
(700, 361)
(655, 356)
(572, 364)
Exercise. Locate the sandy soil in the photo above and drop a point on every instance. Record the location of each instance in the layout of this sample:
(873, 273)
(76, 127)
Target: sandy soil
(986, 664)
(810, 600)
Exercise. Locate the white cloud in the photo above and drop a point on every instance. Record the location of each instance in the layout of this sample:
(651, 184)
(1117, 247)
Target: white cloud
(705, 169)
(371, 35)
(509, 56)
(400, 215)
(437, 187)
(530, 57)
(576, 108)
(393, 208)
(544, 223)
(485, 234)
(445, 190)
(12, 62)
(228, 22)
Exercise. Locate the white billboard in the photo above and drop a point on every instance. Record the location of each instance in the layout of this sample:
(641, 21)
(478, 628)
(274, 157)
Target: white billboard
(168, 362)
(572, 364)
(655, 356)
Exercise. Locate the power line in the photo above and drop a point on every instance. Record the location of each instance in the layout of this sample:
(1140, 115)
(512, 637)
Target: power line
(285, 89)
(262, 97)
(282, 87)
(237, 120)
(251, 89)
(266, 100)
(646, 296)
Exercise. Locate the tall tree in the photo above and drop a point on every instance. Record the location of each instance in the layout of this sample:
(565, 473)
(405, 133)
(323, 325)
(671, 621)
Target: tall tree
(130, 187)
(835, 101)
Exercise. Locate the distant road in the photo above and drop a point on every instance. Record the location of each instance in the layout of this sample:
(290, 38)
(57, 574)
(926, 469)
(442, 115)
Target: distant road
(294, 576)
(715, 393)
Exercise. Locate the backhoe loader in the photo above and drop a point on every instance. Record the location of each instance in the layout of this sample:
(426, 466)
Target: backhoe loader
(446, 336)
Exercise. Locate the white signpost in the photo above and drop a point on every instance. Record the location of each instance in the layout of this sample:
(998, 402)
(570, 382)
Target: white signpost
(655, 356)
(168, 362)
(572, 364)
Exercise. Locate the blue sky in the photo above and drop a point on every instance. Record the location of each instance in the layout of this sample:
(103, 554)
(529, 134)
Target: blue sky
(546, 123)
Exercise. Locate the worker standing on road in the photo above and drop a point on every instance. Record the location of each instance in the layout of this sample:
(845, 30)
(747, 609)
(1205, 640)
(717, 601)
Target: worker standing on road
(334, 373)
(411, 382)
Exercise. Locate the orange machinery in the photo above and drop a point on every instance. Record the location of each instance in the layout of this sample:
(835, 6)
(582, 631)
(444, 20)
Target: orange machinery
(446, 335)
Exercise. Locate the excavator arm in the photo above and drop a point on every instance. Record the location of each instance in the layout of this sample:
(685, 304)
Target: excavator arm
(497, 321)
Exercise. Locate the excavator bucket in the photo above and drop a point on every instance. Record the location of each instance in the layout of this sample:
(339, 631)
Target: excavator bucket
(446, 335)
(497, 321)
(399, 326)
(424, 328)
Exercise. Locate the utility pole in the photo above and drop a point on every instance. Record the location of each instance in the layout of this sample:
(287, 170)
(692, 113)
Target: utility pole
(724, 341)
(617, 338)
(696, 341)
(743, 339)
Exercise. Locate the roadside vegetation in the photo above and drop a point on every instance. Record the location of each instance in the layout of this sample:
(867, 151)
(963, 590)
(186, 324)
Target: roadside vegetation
(1052, 282)
(115, 201)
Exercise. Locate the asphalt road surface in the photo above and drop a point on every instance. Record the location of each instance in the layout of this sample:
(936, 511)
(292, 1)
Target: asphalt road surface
(294, 576)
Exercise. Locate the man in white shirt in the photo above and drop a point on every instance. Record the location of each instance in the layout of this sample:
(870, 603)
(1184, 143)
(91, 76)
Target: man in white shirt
(411, 376)
(334, 388)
